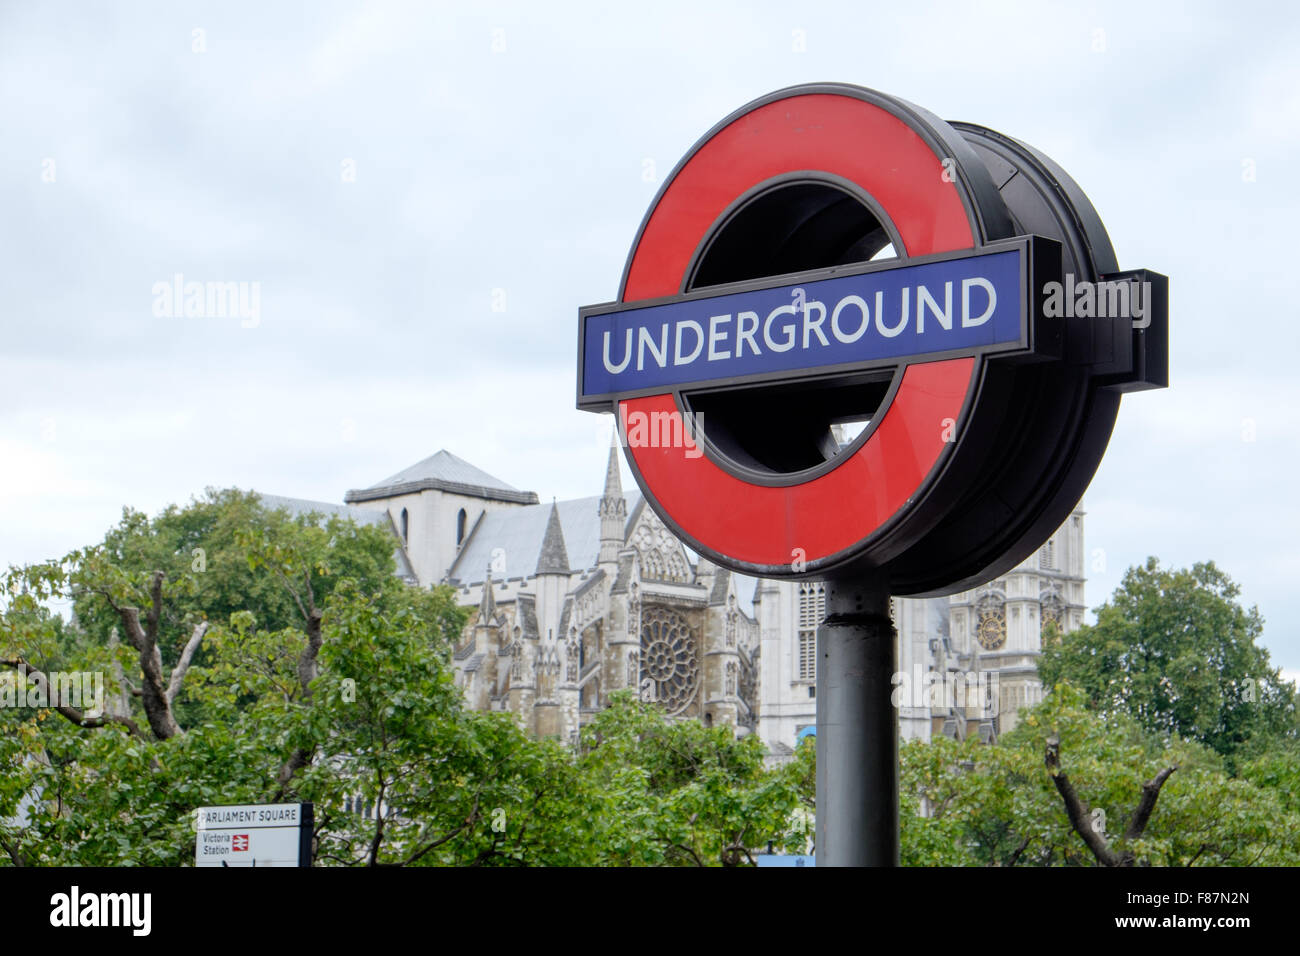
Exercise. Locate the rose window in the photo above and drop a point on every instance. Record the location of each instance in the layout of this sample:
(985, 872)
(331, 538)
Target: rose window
(669, 665)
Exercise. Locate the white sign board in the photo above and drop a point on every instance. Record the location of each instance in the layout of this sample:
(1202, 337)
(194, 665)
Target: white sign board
(277, 834)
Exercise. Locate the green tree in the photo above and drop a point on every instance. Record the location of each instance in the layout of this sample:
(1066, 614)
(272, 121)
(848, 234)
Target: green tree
(290, 664)
(1176, 651)
(199, 709)
(389, 730)
(677, 793)
(1135, 797)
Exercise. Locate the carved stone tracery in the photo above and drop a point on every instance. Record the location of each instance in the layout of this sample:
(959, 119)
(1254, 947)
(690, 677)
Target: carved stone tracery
(571, 655)
(1053, 607)
(991, 615)
(669, 661)
(661, 553)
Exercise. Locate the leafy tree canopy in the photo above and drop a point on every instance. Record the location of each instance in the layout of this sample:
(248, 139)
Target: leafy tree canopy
(251, 657)
(1176, 651)
(248, 656)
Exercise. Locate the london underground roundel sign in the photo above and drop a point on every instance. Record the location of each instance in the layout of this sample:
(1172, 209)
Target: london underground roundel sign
(830, 260)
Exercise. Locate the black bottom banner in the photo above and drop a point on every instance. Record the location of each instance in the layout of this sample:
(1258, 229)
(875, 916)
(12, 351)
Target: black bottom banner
(229, 905)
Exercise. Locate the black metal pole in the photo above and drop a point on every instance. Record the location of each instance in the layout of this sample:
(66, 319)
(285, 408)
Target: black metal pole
(857, 728)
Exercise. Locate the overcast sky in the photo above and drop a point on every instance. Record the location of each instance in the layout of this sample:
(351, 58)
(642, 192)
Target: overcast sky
(392, 175)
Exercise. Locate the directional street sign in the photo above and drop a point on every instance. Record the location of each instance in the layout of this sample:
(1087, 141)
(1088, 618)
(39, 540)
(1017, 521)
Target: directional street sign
(276, 834)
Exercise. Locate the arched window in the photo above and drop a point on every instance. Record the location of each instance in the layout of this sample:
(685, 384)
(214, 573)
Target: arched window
(652, 565)
(675, 567)
(460, 527)
(405, 526)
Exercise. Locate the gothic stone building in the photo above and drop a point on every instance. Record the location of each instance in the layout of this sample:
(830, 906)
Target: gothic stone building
(574, 600)
(967, 662)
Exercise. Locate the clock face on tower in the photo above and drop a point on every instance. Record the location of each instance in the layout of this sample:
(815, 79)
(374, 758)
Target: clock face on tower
(991, 631)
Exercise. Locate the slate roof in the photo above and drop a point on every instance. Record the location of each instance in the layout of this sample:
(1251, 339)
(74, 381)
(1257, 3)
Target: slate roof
(443, 472)
(520, 532)
(521, 535)
(591, 582)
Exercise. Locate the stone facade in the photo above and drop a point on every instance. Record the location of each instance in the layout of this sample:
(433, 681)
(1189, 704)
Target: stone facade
(953, 652)
(575, 600)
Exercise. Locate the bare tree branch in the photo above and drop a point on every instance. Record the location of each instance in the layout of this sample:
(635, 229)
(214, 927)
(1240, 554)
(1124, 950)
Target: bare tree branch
(449, 835)
(183, 665)
(1150, 792)
(373, 856)
(14, 854)
(1015, 857)
(27, 672)
(131, 621)
(307, 661)
(292, 593)
(297, 760)
(157, 706)
(1076, 809)
(687, 850)
(125, 690)
(154, 614)
(730, 855)
(307, 671)
(311, 594)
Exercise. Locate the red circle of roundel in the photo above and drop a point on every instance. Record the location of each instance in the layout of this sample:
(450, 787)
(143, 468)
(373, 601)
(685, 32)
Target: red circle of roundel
(813, 520)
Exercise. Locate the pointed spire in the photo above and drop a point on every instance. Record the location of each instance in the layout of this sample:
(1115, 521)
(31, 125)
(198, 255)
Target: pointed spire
(487, 608)
(554, 559)
(613, 509)
(613, 482)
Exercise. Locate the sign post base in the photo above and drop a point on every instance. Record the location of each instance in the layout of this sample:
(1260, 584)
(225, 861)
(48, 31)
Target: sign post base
(857, 728)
